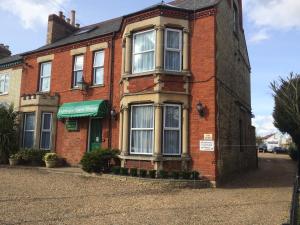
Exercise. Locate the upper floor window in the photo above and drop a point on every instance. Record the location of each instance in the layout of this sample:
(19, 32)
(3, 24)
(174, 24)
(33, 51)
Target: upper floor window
(98, 74)
(78, 70)
(45, 76)
(144, 51)
(173, 49)
(235, 18)
(4, 79)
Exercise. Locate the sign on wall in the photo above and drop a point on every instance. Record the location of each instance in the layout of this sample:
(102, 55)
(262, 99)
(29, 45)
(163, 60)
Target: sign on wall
(207, 146)
(72, 125)
(208, 137)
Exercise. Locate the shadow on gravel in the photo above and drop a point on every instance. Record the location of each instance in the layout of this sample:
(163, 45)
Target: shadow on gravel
(273, 171)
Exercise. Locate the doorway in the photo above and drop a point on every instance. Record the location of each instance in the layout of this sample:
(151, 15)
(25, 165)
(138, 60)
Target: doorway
(95, 134)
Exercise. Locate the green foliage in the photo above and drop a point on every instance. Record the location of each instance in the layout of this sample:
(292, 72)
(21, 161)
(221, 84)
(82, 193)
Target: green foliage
(185, 175)
(116, 170)
(293, 152)
(32, 157)
(175, 175)
(163, 174)
(8, 132)
(152, 173)
(134, 172)
(195, 175)
(124, 171)
(143, 173)
(98, 161)
(50, 157)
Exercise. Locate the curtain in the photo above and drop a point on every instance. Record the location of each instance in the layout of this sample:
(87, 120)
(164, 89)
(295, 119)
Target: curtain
(142, 129)
(98, 75)
(173, 50)
(29, 130)
(45, 76)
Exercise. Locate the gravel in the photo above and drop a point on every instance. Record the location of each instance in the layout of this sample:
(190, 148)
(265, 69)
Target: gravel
(42, 197)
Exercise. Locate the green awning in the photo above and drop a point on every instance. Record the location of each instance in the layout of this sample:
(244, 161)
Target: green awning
(97, 108)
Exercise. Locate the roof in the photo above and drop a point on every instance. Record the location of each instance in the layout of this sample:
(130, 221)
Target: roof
(114, 25)
(268, 136)
(11, 61)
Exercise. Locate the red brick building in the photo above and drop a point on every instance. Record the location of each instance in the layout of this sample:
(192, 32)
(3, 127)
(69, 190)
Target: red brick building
(169, 86)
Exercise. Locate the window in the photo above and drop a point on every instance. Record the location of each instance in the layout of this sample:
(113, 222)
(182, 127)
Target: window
(46, 131)
(4, 84)
(98, 68)
(172, 130)
(78, 70)
(173, 50)
(143, 51)
(29, 127)
(45, 76)
(142, 124)
(235, 18)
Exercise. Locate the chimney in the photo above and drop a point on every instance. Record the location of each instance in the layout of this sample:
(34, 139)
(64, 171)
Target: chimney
(58, 27)
(4, 51)
(73, 17)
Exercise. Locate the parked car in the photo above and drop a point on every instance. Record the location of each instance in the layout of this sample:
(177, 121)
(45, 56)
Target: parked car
(262, 148)
(278, 150)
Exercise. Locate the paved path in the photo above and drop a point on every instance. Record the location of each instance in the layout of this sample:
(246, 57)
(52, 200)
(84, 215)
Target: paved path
(32, 197)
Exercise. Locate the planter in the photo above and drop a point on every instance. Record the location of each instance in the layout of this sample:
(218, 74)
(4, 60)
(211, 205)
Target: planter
(13, 162)
(51, 163)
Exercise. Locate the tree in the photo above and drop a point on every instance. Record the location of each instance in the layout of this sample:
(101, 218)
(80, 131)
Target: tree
(8, 132)
(286, 113)
(259, 140)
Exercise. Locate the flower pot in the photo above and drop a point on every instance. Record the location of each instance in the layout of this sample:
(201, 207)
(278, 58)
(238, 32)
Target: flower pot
(13, 162)
(50, 163)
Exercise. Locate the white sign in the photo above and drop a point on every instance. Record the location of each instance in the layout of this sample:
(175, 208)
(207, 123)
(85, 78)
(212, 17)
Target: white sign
(208, 137)
(207, 146)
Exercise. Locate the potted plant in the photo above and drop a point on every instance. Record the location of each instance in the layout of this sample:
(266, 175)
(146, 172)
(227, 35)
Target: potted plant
(51, 160)
(14, 159)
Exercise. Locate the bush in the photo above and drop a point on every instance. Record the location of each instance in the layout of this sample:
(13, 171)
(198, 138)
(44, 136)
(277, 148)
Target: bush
(16, 156)
(175, 175)
(185, 175)
(143, 173)
(32, 156)
(152, 173)
(195, 175)
(50, 157)
(163, 174)
(124, 171)
(97, 161)
(133, 172)
(293, 152)
(116, 170)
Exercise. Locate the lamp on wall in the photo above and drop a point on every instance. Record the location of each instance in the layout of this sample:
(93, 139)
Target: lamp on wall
(201, 108)
(113, 113)
(83, 85)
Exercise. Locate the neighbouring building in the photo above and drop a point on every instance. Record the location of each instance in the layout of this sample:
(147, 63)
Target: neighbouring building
(10, 77)
(277, 140)
(168, 85)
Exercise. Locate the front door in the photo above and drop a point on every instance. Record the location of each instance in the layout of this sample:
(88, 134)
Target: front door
(95, 134)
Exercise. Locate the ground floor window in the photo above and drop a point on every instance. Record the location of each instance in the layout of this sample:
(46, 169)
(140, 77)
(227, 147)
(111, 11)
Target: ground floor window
(29, 127)
(172, 130)
(46, 128)
(141, 130)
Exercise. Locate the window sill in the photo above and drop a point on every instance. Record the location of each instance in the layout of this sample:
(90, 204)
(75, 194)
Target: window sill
(97, 86)
(4, 94)
(153, 158)
(157, 72)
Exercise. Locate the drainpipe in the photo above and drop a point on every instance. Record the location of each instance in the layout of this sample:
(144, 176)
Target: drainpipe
(111, 88)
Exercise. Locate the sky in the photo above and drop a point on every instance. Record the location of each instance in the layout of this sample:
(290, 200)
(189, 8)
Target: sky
(272, 29)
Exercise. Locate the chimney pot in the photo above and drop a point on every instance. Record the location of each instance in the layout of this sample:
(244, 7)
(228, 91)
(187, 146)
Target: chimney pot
(68, 20)
(77, 25)
(73, 17)
(60, 14)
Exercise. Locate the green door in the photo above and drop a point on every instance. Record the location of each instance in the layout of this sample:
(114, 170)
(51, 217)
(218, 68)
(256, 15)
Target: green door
(95, 134)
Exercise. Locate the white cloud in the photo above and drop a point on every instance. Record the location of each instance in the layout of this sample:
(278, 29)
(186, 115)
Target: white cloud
(31, 13)
(261, 35)
(264, 125)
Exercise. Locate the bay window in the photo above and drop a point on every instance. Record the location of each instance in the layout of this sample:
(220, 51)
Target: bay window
(45, 76)
(142, 129)
(78, 70)
(144, 51)
(4, 84)
(46, 131)
(173, 49)
(28, 132)
(172, 130)
(98, 68)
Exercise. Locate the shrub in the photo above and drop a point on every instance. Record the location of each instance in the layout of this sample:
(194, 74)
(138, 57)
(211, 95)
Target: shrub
(133, 172)
(195, 175)
(97, 161)
(16, 156)
(175, 175)
(143, 173)
(293, 152)
(185, 175)
(124, 171)
(116, 170)
(50, 157)
(152, 173)
(163, 174)
(32, 156)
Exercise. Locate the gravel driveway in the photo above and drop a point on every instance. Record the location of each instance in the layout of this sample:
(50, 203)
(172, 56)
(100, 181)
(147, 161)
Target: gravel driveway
(38, 197)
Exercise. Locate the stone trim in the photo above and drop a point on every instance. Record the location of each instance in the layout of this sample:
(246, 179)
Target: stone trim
(78, 51)
(99, 46)
(45, 58)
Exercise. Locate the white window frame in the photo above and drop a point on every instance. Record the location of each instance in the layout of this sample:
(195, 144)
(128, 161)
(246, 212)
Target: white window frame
(139, 53)
(5, 79)
(98, 67)
(141, 105)
(24, 127)
(42, 76)
(46, 130)
(172, 128)
(173, 49)
(75, 71)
